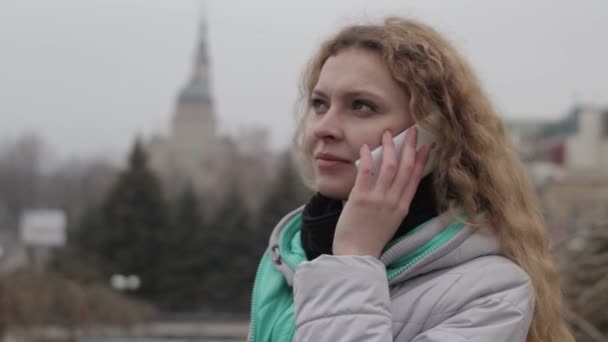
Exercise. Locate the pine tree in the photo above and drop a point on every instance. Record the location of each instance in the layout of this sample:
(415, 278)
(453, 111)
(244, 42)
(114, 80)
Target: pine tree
(230, 252)
(186, 262)
(82, 259)
(134, 216)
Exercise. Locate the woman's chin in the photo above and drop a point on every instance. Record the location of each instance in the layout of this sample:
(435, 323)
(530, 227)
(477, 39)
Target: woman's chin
(336, 189)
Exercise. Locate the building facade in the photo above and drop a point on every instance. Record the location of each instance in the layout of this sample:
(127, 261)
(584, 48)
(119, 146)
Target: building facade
(568, 162)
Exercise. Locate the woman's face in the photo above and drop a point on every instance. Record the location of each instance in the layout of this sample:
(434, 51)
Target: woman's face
(354, 102)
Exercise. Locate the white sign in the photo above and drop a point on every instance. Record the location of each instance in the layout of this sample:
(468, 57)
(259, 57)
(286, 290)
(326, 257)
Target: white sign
(43, 227)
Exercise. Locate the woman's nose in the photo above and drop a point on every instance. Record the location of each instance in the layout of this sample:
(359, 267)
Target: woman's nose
(328, 127)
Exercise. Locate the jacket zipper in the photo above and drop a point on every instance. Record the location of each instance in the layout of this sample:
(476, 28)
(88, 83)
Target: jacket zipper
(253, 299)
(451, 232)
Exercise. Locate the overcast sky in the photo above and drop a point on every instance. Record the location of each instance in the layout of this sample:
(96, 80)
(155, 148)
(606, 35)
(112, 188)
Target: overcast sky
(88, 75)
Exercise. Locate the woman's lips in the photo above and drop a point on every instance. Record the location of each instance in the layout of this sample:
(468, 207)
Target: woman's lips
(329, 164)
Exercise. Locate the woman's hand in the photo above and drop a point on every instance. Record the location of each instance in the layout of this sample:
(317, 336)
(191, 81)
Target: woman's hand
(376, 207)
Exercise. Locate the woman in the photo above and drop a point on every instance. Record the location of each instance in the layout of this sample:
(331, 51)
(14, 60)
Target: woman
(458, 255)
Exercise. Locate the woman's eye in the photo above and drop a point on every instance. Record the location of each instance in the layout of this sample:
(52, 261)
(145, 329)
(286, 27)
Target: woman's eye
(318, 105)
(363, 106)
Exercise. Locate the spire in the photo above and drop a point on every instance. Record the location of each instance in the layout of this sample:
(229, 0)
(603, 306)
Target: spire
(197, 91)
(202, 57)
(194, 117)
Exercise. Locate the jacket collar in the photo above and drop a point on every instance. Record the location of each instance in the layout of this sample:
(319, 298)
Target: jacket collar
(443, 242)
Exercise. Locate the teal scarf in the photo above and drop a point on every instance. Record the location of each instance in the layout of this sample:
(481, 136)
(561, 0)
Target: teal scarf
(272, 309)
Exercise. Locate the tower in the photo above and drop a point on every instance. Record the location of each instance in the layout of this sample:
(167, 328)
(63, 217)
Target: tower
(191, 153)
(194, 122)
(195, 154)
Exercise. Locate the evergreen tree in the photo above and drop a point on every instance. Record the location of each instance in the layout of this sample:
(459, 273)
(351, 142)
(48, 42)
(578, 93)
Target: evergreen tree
(186, 262)
(230, 253)
(82, 259)
(134, 216)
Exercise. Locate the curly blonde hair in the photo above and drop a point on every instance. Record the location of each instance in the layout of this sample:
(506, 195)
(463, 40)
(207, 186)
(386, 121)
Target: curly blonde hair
(478, 169)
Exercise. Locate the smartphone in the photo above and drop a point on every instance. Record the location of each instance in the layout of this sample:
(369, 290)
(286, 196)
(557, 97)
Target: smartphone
(424, 137)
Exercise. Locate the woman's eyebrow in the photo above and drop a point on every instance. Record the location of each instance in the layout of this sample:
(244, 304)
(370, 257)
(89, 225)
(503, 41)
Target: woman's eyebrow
(351, 94)
(363, 93)
(319, 92)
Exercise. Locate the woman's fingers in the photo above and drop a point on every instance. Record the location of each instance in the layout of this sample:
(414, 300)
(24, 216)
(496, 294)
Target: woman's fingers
(365, 177)
(422, 157)
(407, 162)
(388, 168)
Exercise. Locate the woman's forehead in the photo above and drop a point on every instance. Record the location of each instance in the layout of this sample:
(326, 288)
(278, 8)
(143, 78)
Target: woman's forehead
(356, 70)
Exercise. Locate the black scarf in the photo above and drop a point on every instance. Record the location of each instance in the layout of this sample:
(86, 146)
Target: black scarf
(321, 214)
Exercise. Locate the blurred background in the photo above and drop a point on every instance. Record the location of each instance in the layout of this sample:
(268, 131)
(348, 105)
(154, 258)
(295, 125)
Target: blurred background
(144, 150)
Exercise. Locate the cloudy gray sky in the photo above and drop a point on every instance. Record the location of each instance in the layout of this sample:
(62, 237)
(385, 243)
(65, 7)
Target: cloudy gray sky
(88, 75)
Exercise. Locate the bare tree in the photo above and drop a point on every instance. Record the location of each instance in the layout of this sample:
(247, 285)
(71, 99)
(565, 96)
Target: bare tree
(77, 185)
(20, 175)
